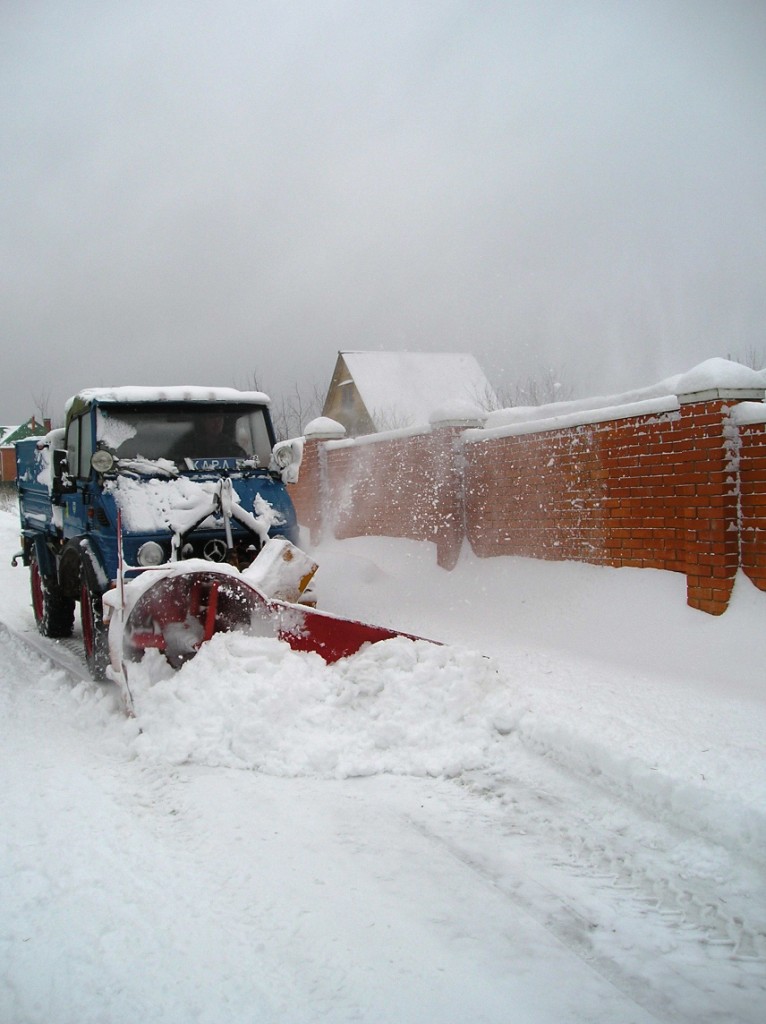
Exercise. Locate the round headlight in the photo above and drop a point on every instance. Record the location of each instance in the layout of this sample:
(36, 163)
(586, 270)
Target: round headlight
(151, 553)
(283, 455)
(102, 460)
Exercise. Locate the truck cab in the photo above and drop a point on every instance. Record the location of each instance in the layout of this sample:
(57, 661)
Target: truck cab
(140, 477)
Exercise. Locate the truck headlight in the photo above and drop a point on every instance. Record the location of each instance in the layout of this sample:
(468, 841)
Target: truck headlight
(150, 553)
(283, 455)
(102, 460)
(286, 457)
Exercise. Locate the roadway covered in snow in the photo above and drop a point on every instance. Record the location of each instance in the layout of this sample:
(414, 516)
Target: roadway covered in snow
(559, 816)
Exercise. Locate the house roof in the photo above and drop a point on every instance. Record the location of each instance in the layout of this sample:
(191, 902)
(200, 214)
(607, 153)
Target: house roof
(405, 388)
(10, 435)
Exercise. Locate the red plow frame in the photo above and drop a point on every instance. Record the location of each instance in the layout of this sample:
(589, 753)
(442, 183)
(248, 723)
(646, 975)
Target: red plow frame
(179, 612)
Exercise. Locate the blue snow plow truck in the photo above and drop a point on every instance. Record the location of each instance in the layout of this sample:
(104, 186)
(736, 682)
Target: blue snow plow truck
(141, 479)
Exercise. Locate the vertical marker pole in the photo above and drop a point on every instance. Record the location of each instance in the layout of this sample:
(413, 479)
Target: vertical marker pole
(121, 583)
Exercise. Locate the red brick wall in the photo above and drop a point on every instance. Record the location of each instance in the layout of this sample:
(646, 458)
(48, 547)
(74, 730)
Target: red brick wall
(7, 464)
(538, 495)
(396, 487)
(307, 493)
(665, 491)
(653, 492)
(706, 479)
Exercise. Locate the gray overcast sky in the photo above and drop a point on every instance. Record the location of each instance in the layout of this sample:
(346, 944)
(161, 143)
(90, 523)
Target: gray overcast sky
(194, 192)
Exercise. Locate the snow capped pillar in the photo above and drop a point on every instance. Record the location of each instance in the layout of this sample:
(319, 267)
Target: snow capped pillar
(709, 476)
(309, 493)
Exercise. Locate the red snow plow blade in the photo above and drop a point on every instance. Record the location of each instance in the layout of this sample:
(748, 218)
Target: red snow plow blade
(179, 612)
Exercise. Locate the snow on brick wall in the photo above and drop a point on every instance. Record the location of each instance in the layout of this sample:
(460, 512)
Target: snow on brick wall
(399, 486)
(752, 477)
(681, 490)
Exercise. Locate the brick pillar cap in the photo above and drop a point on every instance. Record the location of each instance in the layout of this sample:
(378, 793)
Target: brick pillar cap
(460, 413)
(720, 379)
(324, 429)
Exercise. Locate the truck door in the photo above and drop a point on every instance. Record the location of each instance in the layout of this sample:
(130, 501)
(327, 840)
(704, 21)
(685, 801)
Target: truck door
(79, 444)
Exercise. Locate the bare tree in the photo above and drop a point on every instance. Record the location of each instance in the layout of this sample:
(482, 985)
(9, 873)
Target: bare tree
(289, 412)
(293, 411)
(253, 382)
(542, 387)
(42, 401)
(753, 357)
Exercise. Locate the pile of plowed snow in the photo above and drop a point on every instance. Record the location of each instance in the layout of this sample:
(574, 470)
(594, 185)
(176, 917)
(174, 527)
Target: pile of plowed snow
(398, 706)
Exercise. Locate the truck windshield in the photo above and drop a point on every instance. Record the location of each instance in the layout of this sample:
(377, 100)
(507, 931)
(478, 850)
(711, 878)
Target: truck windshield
(185, 433)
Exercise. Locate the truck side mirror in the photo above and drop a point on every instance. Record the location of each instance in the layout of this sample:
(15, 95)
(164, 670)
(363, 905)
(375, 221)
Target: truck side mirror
(63, 481)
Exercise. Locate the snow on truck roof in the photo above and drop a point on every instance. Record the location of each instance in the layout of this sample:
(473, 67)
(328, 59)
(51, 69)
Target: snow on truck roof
(175, 393)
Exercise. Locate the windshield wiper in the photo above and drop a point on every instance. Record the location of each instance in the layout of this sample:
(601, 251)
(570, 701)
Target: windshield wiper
(147, 467)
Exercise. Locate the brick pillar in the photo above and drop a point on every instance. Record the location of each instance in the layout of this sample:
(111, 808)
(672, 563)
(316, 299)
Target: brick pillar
(449, 483)
(750, 421)
(308, 495)
(712, 512)
(711, 545)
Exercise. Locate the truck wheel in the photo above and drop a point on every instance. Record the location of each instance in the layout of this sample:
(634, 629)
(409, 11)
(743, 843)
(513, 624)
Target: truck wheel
(94, 632)
(54, 613)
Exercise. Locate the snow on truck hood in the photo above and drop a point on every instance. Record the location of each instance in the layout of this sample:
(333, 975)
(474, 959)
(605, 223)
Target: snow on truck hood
(151, 505)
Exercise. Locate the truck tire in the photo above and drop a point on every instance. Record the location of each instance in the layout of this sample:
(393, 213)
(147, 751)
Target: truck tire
(54, 613)
(94, 633)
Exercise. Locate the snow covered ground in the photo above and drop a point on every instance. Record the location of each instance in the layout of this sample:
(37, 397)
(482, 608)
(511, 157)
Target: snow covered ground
(559, 817)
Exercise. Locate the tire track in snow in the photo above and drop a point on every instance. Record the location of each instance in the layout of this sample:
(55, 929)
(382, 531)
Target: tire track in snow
(666, 889)
(67, 654)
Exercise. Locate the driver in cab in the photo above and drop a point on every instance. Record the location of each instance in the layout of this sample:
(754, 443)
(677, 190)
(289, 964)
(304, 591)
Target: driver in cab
(210, 438)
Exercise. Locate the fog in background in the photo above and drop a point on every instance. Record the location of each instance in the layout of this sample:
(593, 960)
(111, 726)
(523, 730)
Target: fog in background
(231, 192)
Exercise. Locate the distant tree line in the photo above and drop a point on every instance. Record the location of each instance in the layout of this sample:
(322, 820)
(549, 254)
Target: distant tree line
(753, 357)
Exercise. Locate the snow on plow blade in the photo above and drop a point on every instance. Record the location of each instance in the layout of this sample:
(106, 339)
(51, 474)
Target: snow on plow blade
(177, 612)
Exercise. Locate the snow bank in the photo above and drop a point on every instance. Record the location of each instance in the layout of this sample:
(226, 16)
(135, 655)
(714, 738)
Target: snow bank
(399, 706)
